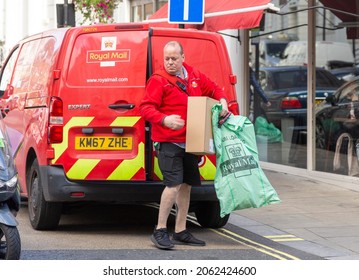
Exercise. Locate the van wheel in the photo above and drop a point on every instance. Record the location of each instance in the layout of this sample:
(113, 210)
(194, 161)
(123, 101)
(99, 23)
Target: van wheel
(208, 215)
(43, 215)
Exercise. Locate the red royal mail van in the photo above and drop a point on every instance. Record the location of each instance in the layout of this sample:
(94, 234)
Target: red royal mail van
(71, 99)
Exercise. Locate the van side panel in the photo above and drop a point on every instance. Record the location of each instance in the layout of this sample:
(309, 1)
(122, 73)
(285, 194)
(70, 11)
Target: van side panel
(27, 116)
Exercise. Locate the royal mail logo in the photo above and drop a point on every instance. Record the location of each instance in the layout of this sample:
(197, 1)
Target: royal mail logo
(108, 56)
(109, 44)
(238, 162)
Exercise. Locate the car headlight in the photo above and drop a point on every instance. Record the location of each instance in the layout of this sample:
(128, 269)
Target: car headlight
(8, 186)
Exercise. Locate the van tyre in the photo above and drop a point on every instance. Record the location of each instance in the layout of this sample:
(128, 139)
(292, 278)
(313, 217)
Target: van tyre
(10, 243)
(43, 215)
(208, 215)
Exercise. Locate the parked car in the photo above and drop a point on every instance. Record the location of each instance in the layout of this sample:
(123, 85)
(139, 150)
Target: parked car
(286, 88)
(337, 115)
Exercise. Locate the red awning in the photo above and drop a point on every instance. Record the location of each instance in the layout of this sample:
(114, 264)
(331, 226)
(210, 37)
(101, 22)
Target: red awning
(348, 12)
(220, 15)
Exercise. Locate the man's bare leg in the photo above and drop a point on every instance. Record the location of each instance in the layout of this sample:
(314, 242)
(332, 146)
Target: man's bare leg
(182, 201)
(168, 198)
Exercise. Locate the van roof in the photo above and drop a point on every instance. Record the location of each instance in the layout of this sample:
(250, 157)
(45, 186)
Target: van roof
(59, 32)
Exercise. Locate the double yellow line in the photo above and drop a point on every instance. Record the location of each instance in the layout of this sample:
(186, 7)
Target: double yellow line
(280, 255)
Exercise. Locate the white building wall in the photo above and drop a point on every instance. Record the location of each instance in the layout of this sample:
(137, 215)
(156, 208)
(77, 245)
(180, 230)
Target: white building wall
(20, 18)
(123, 12)
(15, 16)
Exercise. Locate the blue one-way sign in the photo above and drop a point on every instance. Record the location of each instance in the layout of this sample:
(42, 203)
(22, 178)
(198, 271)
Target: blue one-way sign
(186, 11)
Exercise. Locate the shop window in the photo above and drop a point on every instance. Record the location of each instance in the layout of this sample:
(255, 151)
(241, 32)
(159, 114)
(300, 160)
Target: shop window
(143, 9)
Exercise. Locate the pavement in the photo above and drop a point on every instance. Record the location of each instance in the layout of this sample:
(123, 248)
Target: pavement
(317, 215)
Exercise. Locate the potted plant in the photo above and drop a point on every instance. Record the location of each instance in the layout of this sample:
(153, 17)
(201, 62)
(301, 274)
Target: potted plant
(96, 11)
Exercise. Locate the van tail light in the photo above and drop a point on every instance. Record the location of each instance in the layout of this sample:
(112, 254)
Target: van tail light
(290, 103)
(56, 120)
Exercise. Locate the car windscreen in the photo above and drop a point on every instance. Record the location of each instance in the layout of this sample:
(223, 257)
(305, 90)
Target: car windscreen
(283, 80)
(276, 49)
(278, 80)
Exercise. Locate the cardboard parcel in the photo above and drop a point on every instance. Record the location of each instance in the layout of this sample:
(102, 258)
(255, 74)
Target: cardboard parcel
(199, 136)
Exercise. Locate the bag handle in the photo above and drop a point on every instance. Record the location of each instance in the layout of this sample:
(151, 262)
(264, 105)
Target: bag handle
(222, 120)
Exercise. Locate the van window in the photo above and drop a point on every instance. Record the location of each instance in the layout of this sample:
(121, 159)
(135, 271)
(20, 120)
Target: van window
(43, 65)
(109, 59)
(276, 49)
(22, 74)
(7, 71)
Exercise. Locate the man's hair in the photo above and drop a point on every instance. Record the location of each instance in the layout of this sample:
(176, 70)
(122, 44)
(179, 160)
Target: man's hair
(175, 43)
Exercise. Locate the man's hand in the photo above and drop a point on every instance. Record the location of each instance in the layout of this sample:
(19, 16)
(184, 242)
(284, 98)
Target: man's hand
(173, 122)
(224, 107)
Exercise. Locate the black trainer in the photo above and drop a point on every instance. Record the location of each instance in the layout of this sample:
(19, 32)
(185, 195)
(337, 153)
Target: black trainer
(186, 238)
(161, 239)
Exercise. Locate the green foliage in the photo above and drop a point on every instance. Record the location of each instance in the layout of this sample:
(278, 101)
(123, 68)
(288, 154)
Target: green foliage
(96, 11)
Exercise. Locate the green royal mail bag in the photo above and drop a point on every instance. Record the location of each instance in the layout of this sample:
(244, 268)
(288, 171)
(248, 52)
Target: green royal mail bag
(239, 182)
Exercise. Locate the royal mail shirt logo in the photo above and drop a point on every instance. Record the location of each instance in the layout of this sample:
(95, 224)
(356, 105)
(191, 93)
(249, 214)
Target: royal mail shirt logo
(108, 55)
(194, 84)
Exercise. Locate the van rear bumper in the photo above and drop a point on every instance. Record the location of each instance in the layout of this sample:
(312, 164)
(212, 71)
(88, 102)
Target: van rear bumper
(57, 188)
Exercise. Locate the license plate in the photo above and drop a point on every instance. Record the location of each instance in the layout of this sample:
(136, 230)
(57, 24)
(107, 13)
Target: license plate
(318, 101)
(103, 143)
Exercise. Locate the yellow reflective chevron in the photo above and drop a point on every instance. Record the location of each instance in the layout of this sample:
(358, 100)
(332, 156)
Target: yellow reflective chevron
(125, 121)
(82, 168)
(156, 169)
(208, 170)
(61, 147)
(128, 168)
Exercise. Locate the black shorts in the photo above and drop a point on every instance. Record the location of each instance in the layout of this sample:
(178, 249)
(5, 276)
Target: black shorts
(177, 166)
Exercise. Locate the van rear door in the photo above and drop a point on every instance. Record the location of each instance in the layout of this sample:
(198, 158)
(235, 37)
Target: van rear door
(101, 84)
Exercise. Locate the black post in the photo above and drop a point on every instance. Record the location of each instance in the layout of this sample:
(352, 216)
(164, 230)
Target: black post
(66, 16)
(324, 23)
(256, 98)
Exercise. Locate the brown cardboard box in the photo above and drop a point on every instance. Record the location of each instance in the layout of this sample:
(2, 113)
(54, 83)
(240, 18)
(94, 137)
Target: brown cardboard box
(199, 137)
